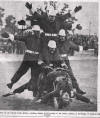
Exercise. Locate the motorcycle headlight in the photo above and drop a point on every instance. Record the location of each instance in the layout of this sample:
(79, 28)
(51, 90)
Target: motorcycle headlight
(65, 97)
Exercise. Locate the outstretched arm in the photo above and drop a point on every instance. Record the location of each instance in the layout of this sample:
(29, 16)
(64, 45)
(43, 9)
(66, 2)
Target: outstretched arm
(21, 37)
(32, 13)
(74, 46)
(71, 14)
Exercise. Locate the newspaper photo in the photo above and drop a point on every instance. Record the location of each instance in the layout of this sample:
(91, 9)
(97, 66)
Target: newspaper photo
(49, 59)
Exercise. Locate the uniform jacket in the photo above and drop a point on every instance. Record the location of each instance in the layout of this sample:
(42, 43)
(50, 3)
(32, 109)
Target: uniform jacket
(65, 46)
(49, 58)
(32, 43)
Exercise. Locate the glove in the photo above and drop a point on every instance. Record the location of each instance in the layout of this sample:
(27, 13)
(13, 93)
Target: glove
(5, 35)
(42, 64)
(21, 22)
(11, 37)
(28, 5)
(79, 27)
(77, 9)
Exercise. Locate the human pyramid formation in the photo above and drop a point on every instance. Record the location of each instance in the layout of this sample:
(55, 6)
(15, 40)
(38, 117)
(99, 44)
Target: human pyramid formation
(48, 41)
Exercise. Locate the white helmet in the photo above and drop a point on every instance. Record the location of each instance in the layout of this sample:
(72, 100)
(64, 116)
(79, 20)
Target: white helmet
(51, 11)
(36, 28)
(52, 44)
(62, 32)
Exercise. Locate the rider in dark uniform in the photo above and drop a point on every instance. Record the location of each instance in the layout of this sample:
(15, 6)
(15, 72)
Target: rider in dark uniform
(64, 44)
(32, 42)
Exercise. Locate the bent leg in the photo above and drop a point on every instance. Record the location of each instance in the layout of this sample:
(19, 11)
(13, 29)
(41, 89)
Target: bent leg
(35, 71)
(82, 98)
(20, 72)
(74, 81)
(18, 90)
(21, 88)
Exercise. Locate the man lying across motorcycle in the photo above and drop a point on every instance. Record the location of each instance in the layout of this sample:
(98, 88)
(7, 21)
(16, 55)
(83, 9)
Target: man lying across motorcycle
(56, 82)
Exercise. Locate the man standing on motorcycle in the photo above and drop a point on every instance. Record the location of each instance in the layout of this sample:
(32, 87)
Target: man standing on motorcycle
(50, 56)
(32, 41)
(64, 44)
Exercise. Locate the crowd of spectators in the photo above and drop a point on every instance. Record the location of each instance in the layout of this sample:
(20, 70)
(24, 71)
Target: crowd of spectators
(12, 47)
(87, 41)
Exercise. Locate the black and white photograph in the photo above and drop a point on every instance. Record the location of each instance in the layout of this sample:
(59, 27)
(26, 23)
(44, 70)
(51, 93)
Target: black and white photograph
(49, 55)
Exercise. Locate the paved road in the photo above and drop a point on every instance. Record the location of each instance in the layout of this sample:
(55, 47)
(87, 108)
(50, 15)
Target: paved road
(84, 68)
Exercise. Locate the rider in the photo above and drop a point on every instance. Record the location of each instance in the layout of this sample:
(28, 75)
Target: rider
(64, 44)
(32, 42)
(50, 57)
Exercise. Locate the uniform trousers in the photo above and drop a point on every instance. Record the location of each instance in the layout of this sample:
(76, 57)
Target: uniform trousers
(24, 67)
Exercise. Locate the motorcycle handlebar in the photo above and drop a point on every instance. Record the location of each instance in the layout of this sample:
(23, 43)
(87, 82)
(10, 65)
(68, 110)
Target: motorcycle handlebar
(56, 69)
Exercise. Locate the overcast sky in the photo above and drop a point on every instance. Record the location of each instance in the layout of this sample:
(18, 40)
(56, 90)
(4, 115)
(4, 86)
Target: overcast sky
(89, 12)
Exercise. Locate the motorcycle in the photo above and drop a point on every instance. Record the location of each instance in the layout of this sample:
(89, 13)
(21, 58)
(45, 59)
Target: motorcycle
(53, 86)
